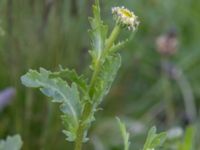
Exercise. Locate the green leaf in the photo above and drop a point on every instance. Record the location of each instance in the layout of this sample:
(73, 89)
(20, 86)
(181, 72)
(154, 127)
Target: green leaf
(188, 141)
(125, 134)
(98, 34)
(71, 75)
(121, 44)
(158, 140)
(59, 91)
(151, 135)
(11, 143)
(154, 140)
(118, 46)
(106, 77)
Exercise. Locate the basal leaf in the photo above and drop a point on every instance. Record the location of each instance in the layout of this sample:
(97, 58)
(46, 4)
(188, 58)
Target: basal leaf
(158, 140)
(151, 135)
(11, 143)
(60, 92)
(154, 140)
(125, 134)
(188, 141)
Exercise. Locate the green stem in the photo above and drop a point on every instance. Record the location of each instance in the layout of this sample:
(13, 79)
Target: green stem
(110, 41)
(89, 106)
(82, 126)
(79, 138)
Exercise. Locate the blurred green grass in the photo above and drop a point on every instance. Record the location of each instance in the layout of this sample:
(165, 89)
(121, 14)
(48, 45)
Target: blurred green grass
(46, 33)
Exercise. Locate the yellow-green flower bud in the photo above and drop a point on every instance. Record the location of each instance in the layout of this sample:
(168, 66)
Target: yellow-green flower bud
(125, 18)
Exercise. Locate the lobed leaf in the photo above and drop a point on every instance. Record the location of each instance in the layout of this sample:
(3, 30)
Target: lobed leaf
(98, 34)
(154, 140)
(106, 77)
(125, 134)
(60, 92)
(72, 76)
(121, 44)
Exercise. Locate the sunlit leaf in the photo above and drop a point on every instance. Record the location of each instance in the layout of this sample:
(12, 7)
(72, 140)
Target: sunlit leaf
(154, 140)
(125, 134)
(188, 141)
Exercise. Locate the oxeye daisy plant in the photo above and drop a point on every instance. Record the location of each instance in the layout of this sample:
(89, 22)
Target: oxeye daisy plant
(79, 96)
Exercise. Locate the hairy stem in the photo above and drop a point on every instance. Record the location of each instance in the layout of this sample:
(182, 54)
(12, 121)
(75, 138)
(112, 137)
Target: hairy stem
(110, 41)
(88, 109)
(82, 126)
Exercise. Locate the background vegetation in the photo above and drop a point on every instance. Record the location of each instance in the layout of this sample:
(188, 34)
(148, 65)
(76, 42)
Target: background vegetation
(46, 33)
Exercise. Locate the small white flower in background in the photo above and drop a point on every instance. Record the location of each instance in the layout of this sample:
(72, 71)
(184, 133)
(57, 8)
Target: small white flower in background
(175, 133)
(125, 18)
